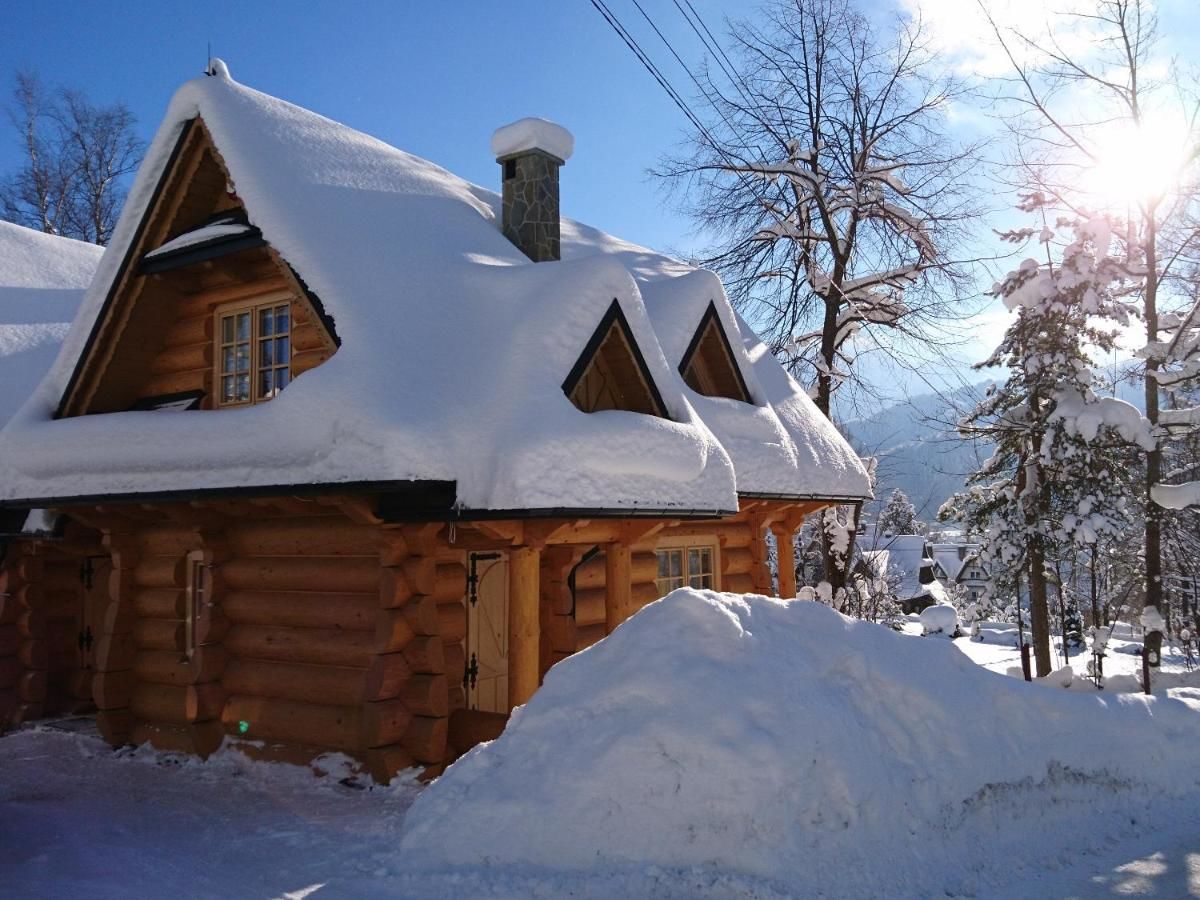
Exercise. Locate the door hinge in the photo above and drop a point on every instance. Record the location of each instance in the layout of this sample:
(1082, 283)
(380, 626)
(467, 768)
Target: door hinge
(86, 572)
(86, 639)
(473, 575)
(471, 672)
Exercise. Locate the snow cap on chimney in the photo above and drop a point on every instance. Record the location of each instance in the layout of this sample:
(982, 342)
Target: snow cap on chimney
(530, 152)
(532, 133)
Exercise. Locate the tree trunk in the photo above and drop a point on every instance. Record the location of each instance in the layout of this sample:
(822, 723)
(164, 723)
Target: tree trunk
(1152, 646)
(1095, 595)
(1039, 609)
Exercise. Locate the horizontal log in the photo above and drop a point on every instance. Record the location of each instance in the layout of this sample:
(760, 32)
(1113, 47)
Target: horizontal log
(456, 663)
(385, 678)
(318, 646)
(34, 654)
(115, 726)
(118, 618)
(10, 670)
(204, 701)
(32, 623)
(302, 609)
(10, 639)
(157, 634)
(393, 631)
(729, 534)
(590, 606)
(426, 654)
(203, 302)
(189, 330)
(425, 695)
(425, 739)
(172, 667)
(456, 696)
(177, 382)
(450, 583)
(165, 704)
(202, 739)
(642, 594)
(384, 763)
(317, 536)
(469, 727)
(307, 337)
(289, 721)
(413, 575)
(115, 652)
(586, 635)
(308, 359)
(452, 621)
(384, 722)
(113, 690)
(562, 633)
(60, 578)
(32, 687)
(182, 358)
(209, 628)
(158, 603)
(736, 561)
(737, 584)
(422, 615)
(590, 575)
(10, 609)
(643, 566)
(160, 572)
(323, 685)
(30, 568)
(277, 573)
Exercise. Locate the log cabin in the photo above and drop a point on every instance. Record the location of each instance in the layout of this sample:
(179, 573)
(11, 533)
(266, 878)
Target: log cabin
(345, 453)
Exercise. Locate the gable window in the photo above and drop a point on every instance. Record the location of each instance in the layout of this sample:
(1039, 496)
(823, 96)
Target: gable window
(611, 372)
(691, 566)
(708, 366)
(253, 352)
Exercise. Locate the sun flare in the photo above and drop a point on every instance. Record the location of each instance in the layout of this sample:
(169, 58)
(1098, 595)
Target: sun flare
(1138, 164)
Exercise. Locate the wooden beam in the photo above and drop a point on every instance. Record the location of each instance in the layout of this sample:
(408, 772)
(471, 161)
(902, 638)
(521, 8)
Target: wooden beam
(786, 555)
(523, 625)
(618, 598)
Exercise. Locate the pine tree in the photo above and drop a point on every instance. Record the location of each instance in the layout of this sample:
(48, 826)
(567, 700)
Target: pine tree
(1056, 476)
(899, 516)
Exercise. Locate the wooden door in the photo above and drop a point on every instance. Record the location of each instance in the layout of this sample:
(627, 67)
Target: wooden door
(487, 633)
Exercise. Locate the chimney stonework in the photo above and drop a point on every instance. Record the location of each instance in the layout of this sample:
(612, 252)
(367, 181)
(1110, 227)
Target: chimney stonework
(530, 152)
(530, 203)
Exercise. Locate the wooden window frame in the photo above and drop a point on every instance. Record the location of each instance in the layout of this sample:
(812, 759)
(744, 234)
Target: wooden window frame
(252, 306)
(197, 598)
(713, 547)
(702, 382)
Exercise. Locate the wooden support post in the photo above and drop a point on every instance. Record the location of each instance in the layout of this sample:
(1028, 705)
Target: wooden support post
(523, 625)
(618, 598)
(786, 555)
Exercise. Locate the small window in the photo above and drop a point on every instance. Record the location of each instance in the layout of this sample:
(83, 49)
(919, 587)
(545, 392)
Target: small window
(680, 566)
(196, 598)
(708, 365)
(253, 352)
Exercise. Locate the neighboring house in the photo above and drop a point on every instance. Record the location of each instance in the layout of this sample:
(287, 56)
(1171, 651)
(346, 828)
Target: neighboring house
(338, 466)
(961, 564)
(906, 557)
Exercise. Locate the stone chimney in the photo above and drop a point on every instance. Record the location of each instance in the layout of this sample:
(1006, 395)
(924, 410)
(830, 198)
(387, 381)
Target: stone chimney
(530, 152)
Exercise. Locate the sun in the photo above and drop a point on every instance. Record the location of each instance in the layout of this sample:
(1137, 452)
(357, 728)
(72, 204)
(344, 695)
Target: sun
(1137, 165)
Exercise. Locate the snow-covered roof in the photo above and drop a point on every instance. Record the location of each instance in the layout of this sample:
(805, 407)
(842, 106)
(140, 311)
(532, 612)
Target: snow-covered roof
(42, 281)
(900, 554)
(454, 347)
(532, 133)
(953, 557)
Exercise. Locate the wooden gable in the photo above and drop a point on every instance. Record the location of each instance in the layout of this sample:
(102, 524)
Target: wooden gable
(154, 344)
(708, 365)
(611, 372)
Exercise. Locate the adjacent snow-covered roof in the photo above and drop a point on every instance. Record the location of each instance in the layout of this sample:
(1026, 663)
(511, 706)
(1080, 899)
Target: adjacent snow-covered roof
(899, 554)
(953, 558)
(42, 281)
(454, 349)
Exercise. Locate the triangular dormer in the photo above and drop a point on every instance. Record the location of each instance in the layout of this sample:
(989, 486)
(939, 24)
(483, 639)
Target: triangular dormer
(611, 372)
(708, 366)
(203, 313)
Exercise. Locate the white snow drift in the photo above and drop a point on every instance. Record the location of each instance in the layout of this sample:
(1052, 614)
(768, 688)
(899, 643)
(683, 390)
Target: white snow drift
(791, 744)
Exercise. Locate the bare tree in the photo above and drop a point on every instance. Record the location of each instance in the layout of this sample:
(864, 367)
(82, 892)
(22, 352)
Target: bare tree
(833, 193)
(1070, 106)
(76, 157)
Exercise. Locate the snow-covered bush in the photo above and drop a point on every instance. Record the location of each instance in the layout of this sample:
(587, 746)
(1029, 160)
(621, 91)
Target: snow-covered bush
(940, 619)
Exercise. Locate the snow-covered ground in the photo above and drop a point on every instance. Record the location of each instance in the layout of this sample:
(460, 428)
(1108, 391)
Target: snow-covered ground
(714, 746)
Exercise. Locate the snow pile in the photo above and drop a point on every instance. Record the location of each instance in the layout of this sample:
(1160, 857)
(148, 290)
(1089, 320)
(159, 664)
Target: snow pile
(42, 279)
(785, 742)
(940, 619)
(532, 133)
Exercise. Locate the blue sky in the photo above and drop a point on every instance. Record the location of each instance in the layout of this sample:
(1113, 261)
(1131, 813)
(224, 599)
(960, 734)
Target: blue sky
(432, 78)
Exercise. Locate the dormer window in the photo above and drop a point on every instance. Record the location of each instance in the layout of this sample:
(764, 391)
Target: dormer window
(611, 373)
(253, 352)
(708, 366)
